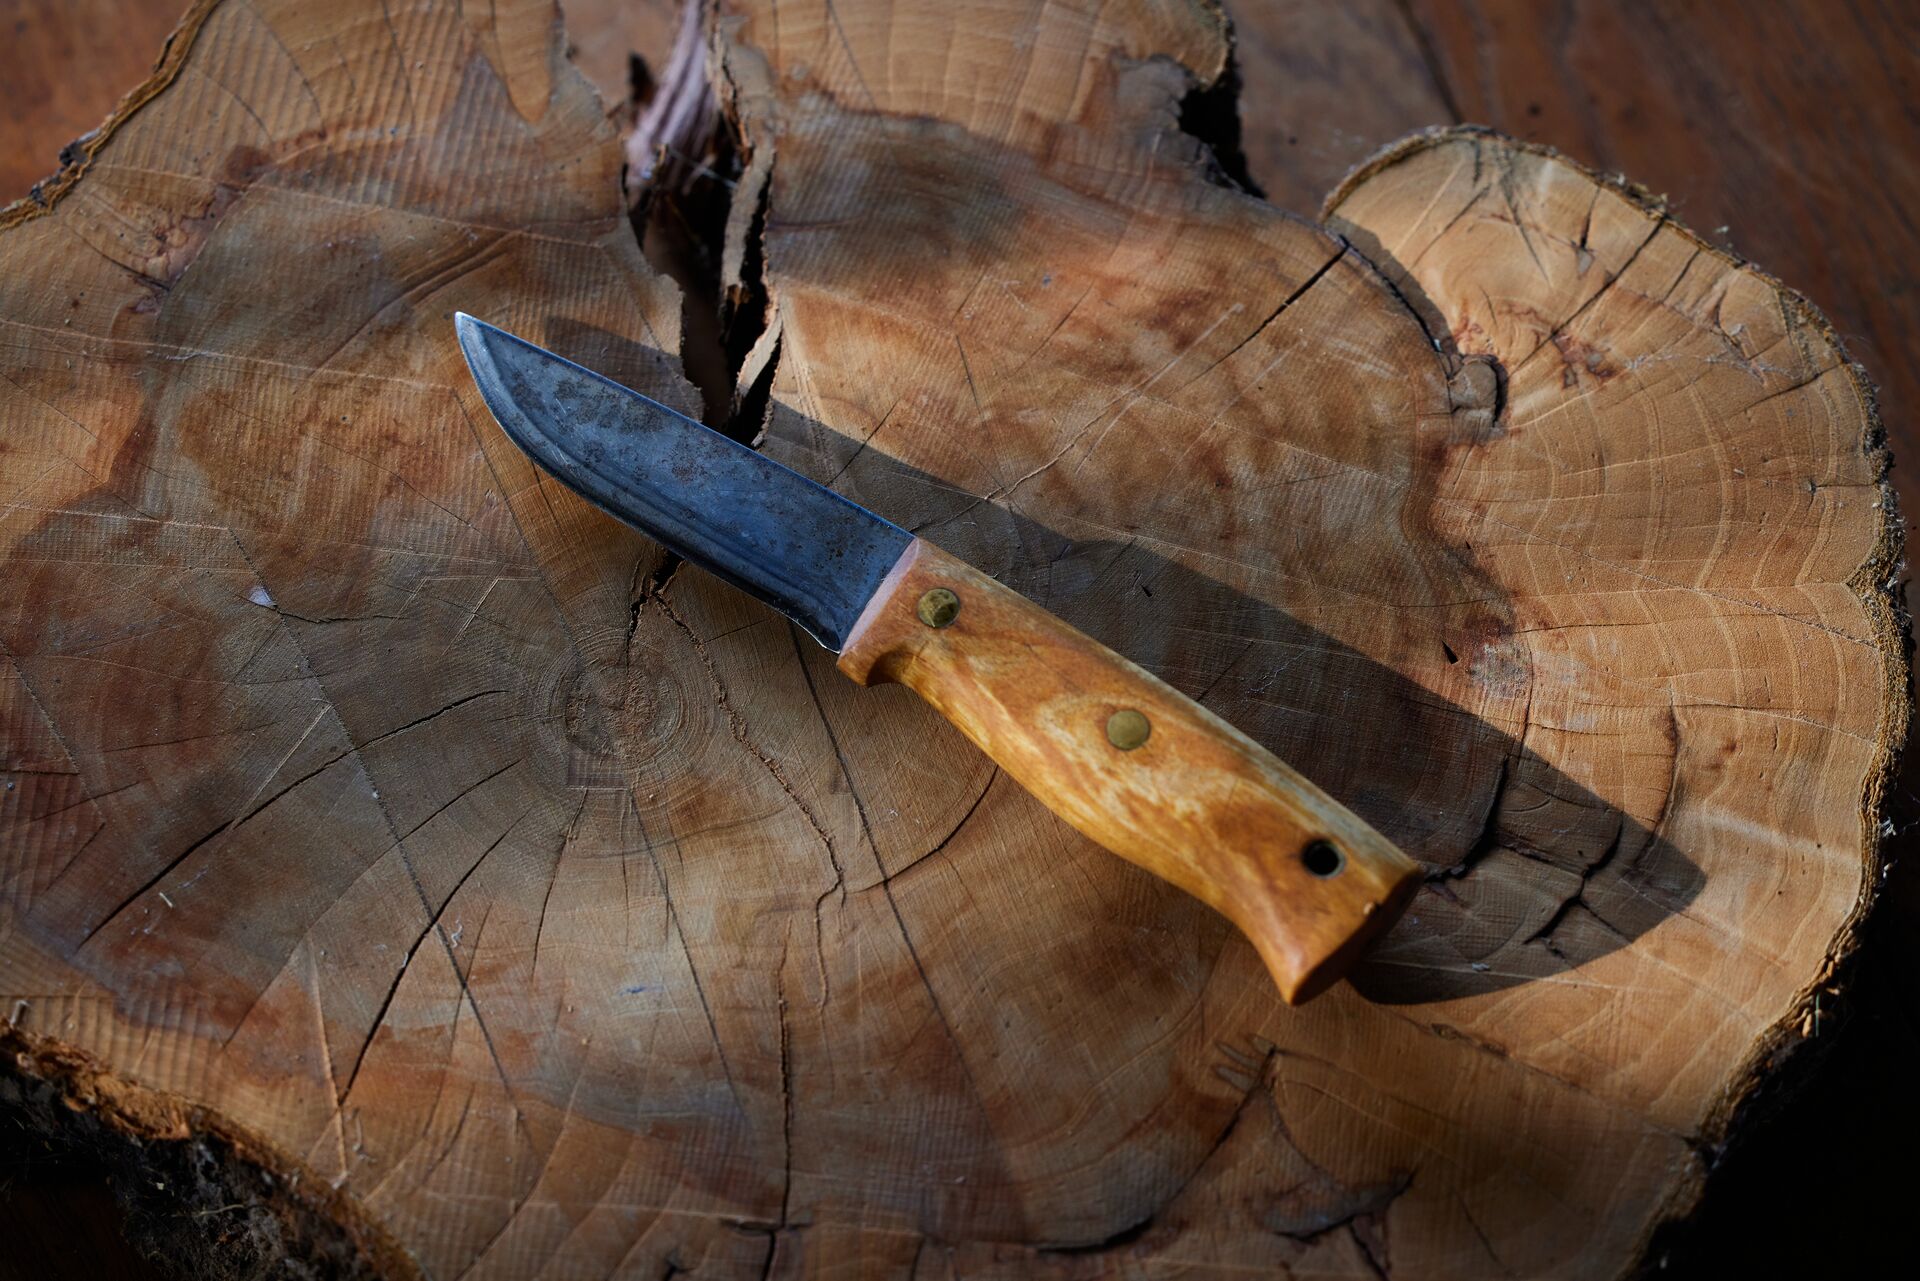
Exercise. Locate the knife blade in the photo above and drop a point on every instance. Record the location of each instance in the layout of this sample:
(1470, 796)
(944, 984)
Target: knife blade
(1109, 747)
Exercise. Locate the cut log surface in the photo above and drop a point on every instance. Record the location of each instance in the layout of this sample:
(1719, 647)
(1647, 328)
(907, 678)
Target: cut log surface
(548, 908)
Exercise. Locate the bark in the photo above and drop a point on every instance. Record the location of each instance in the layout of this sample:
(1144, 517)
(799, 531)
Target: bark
(557, 908)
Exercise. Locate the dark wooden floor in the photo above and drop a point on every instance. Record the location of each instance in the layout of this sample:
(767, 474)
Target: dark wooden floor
(1788, 130)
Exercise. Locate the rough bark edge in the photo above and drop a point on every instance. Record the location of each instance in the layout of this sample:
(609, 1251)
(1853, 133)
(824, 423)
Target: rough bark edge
(130, 1119)
(77, 156)
(1779, 1062)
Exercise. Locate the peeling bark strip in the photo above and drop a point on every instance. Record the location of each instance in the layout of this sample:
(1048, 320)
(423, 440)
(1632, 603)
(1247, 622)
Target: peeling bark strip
(1551, 541)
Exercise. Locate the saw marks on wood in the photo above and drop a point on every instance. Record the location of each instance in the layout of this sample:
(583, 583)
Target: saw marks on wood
(570, 915)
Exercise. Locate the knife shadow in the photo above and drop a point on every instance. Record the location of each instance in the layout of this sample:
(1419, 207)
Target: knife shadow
(1528, 873)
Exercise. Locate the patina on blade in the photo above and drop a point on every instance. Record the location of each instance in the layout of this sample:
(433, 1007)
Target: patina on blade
(796, 545)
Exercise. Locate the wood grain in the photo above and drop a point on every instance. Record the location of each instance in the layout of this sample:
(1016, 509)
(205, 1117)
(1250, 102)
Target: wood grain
(569, 914)
(1780, 137)
(1602, 797)
(1170, 787)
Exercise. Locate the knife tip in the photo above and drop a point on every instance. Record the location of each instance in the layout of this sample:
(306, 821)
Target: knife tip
(471, 334)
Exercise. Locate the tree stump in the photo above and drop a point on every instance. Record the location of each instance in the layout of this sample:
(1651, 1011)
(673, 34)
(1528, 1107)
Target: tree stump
(533, 906)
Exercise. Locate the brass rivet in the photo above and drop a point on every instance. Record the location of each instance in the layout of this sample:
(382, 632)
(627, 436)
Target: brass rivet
(1127, 729)
(938, 607)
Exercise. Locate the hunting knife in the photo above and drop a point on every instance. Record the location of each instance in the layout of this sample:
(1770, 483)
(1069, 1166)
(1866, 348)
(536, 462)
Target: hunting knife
(1106, 745)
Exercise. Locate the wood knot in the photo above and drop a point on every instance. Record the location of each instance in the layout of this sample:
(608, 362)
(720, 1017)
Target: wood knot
(1475, 393)
(580, 733)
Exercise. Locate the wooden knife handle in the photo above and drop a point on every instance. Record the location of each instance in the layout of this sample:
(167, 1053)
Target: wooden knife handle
(1137, 766)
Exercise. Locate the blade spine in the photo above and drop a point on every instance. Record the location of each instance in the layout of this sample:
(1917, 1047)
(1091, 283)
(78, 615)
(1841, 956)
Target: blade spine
(688, 419)
(642, 506)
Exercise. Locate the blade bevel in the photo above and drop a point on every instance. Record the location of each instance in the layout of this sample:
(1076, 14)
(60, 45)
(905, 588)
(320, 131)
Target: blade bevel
(796, 545)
